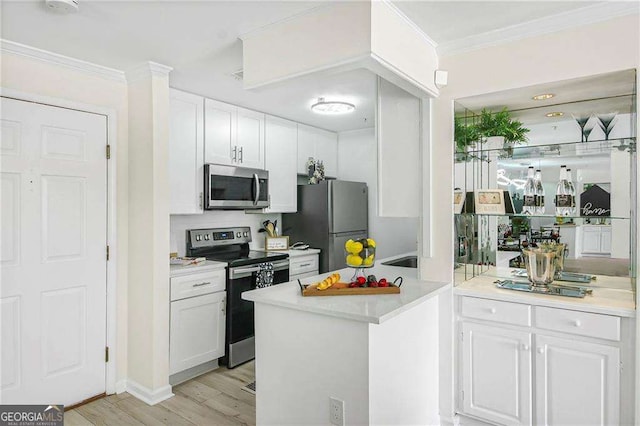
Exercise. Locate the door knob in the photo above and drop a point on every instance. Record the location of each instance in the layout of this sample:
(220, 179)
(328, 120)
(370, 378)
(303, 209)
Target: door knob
(541, 350)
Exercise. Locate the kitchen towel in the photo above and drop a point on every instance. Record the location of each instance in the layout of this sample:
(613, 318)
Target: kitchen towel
(264, 277)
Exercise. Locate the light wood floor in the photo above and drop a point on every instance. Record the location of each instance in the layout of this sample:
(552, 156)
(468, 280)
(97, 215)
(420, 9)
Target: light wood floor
(215, 398)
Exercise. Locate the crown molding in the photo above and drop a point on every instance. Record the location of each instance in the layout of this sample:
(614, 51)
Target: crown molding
(562, 21)
(409, 22)
(146, 70)
(7, 46)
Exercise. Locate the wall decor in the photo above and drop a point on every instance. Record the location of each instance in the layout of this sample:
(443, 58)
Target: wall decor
(595, 201)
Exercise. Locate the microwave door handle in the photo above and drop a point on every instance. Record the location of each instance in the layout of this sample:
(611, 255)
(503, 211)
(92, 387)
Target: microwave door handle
(256, 182)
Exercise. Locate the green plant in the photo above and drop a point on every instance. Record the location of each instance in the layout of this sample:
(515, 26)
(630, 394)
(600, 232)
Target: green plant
(501, 124)
(464, 134)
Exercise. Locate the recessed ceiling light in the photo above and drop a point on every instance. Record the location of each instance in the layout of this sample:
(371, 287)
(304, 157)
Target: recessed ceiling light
(543, 96)
(554, 114)
(332, 107)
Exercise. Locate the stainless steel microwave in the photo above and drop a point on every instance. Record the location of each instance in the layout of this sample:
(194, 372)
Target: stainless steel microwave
(235, 188)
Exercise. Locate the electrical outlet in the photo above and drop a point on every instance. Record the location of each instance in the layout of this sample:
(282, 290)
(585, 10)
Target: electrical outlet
(336, 411)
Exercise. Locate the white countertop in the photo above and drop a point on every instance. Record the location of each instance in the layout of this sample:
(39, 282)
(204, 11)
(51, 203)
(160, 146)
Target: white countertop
(605, 300)
(374, 309)
(207, 265)
(298, 253)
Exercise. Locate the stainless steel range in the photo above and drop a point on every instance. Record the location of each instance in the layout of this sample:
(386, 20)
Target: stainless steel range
(246, 270)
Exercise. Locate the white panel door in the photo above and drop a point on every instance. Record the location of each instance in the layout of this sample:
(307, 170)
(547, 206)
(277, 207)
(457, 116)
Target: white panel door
(327, 152)
(250, 138)
(197, 331)
(219, 132)
(591, 239)
(186, 152)
(281, 147)
(577, 383)
(52, 254)
(496, 374)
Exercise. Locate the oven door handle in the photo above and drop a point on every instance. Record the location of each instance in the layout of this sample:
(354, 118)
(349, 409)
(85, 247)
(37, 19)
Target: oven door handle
(245, 272)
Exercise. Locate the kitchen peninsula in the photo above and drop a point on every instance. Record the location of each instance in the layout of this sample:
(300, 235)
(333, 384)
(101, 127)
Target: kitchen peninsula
(376, 353)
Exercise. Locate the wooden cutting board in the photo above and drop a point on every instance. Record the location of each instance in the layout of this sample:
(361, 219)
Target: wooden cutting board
(343, 289)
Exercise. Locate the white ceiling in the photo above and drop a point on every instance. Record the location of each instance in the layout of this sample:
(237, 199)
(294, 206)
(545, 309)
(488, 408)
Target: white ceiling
(199, 39)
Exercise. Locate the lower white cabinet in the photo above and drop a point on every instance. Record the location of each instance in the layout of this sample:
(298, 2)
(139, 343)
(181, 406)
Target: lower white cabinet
(496, 368)
(545, 372)
(303, 266)
(197, 327)
(596, 240)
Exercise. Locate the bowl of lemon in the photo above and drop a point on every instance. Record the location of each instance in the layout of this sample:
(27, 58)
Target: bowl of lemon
(360, 253)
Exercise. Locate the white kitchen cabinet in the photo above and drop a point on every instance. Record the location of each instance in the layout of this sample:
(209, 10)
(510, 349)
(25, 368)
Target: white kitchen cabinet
(197, 319)
(320, 145)
(576, 382)
(303, 266)
(186, 150)
(281, 144)
(496, 371)
(596, 240)
(233, 135)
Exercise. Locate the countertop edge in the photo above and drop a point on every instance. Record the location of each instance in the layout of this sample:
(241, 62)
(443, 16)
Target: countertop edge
(442, 286)
(537, 301)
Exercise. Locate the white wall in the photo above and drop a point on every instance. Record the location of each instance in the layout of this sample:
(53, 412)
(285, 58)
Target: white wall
(37, 77)
(219, 219)
(526, 62)
(358, 161)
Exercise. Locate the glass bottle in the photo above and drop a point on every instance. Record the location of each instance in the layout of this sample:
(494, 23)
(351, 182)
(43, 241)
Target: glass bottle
(573, 192)
(529, 204)
(563, 194)
(539, 192)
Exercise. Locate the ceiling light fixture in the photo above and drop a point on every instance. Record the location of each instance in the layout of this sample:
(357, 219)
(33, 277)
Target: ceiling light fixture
(332, 107)
(543, 97)
(554, 114)
(62, 6)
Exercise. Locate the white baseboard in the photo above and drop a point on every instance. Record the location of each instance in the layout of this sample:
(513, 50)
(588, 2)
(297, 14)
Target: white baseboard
(121, 386)
(151, 397)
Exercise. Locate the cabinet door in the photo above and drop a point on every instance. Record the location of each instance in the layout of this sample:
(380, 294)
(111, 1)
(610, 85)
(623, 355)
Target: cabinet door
(577, 383)
(605, 240)
(281, 147)
(496, 374)
(250, 139)
(591, 239)
(327, 151)
(197, 331)
(306, 147)
(219, 132)
(186, 152)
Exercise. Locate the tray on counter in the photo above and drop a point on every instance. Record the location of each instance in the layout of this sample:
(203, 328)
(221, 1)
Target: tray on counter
(572, 277)
(343, 289)
(554, 290)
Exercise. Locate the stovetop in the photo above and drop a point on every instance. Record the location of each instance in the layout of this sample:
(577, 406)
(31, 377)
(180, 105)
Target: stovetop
(230, 245)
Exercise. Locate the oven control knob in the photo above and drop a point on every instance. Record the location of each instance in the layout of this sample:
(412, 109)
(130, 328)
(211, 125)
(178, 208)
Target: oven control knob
(238, 234)
(206, 237)
(246, 234)
(198, 237)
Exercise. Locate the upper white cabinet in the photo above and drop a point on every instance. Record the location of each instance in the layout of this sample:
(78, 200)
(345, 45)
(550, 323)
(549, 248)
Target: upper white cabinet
(186, 148)
(321, 145)
(281, 155)
(233, 135)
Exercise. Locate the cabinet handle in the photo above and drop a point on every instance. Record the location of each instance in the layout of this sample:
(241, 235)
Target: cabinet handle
(201, 284)
(525, 347)
(234, 153)
(540, 350)
(492, 310)
(241, 156)
(305, 264)
(577, 323)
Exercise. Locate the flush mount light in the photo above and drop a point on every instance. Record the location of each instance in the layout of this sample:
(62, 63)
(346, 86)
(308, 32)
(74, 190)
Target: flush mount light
(543, 96)
(554, 114)
(332, 107)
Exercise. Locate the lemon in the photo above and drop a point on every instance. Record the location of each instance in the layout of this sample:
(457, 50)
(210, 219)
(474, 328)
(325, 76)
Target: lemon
(371, 242)
(347, 245)
(368, 261)
(355, 248)
(354, 260)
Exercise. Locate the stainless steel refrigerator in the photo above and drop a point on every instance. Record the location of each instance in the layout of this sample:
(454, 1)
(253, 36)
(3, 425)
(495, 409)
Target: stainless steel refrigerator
(329, 214)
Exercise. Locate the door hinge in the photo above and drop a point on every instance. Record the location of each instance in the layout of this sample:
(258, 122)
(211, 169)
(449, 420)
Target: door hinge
(106, 354)
(108, 152)
(462, 336)
(463, 395)
(107, 252)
